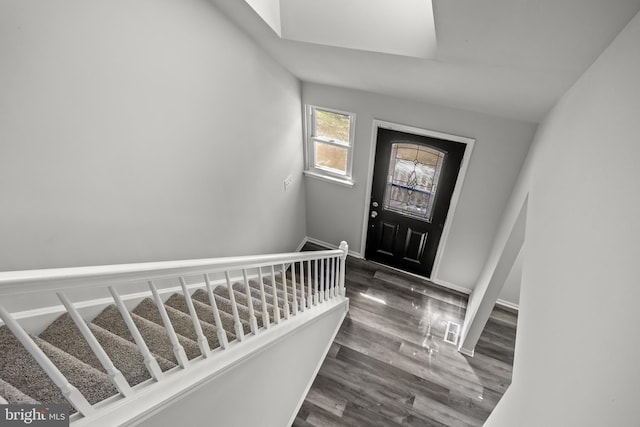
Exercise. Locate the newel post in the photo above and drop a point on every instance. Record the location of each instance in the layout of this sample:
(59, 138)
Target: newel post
(344, 247)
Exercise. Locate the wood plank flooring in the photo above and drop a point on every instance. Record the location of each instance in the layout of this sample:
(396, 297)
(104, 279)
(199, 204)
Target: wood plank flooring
(383, 369)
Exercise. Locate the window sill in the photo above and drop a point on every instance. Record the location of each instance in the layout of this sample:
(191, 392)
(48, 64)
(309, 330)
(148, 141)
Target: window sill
(346, 182)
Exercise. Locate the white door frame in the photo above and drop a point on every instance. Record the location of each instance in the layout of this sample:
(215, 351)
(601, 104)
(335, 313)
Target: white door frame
(470, 142)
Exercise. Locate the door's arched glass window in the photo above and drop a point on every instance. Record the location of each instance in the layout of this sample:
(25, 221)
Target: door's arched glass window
(412, 181)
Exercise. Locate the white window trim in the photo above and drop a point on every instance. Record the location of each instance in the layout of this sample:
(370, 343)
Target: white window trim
(327, 174)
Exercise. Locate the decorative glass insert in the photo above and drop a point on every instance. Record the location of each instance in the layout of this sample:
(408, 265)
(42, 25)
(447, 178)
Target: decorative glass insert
(414, 171)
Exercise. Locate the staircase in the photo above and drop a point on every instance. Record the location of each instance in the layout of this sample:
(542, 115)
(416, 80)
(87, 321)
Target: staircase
(149, 332)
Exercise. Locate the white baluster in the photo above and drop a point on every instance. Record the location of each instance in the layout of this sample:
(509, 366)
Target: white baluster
(293, 285)
(316, 297)
(343, 258)
(334, 263)
(338, 270)
(203, 343)
(345, 250)
(333, 277)
(322, 282)
(178, 350)
(234, 309)
(309, 285)
(222, 334)
(286, 296)
(263, 299)
(335, 281)
(116, 377)
(252, 315)
(276, 307)
(327, 288)
(330, 278)
(72, 394)
(303, 302)
(149, 361)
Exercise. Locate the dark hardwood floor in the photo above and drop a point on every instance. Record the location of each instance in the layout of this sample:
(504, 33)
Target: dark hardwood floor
(384, 370)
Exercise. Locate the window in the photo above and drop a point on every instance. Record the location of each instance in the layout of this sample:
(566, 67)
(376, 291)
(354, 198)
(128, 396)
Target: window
(414, 171)
(329, 144)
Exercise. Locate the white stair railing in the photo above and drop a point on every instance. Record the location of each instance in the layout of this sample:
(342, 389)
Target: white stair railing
(302, 296)
(284, 291)
(234, 308)
(203, 343)
(276, 306)
(222, 334)
(114, 374)
(149, 361)
(322, 272)
(178, 350)
(263, 300)
(253, 321)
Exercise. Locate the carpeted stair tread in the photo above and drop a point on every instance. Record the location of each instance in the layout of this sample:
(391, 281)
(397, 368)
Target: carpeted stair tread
(241, 301)
(14, 396)
(268, 290)
(155, 336)
(255, 291)
(280, 292)
(64, 334)
(126, 356)
(257, 299)
(224, 306)
(267, 283)
(204, 312)
(93, 384)
(181, 322)
(19, 369)
(239, 288)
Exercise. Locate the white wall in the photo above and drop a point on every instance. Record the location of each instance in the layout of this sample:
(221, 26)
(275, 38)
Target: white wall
(336, 213)
(269, 11)
(408, 25)
(577, 350)
(142, 131)
(510, 292)
(265, 390)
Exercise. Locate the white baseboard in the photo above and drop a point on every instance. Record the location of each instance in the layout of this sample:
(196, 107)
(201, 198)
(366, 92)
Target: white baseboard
(451, 286)
(466, 352)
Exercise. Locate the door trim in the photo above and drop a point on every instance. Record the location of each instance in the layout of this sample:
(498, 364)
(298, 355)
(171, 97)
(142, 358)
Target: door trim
(470, 142)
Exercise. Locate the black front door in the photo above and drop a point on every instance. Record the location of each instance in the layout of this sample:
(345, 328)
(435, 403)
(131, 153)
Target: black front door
(413, 180)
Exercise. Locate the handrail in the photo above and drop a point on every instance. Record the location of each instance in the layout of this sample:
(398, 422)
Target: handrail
(19, 281)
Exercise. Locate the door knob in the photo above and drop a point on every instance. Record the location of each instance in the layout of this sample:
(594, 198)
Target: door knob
(374, 204)
(374, 214)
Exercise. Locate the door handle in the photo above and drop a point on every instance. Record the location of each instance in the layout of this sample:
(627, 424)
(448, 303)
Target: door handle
(374, 214)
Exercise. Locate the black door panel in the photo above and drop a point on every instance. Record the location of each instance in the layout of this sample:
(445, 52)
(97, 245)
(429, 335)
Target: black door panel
(410, 198)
